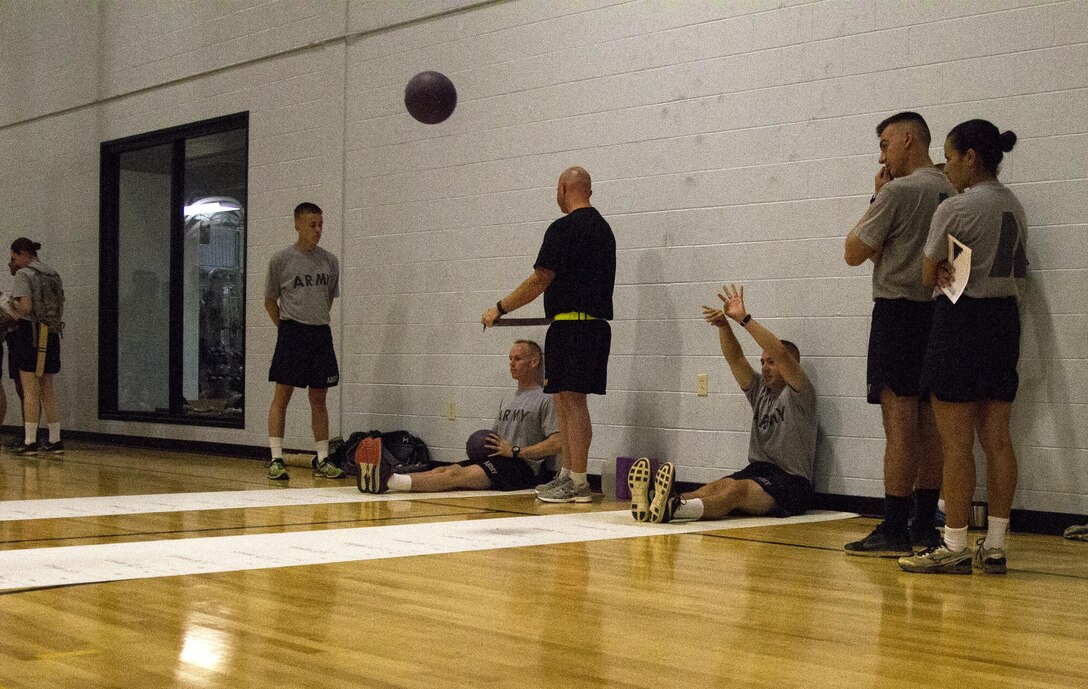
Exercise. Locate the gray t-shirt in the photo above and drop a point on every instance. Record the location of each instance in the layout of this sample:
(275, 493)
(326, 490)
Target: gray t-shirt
(896, 225)
(783, 427)
(527, 420)
(305, 283)
(989, 219)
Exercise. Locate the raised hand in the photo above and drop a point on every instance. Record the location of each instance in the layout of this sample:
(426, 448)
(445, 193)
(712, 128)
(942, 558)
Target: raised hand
(733, 302)
(715, 317)
(882, 178)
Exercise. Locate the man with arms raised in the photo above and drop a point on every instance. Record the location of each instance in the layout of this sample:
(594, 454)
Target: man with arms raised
(782, 446)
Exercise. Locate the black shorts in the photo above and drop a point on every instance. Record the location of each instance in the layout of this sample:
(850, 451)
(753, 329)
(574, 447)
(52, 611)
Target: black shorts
(304, 356)
(792, 494)
(897, 346)
(576, 356)
(23, 349)
(505, 473)
(973, 350)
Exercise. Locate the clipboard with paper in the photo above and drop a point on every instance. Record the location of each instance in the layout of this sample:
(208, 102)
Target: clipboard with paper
(959, 257)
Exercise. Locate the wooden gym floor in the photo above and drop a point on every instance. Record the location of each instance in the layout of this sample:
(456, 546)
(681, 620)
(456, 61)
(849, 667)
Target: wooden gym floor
(768, 607)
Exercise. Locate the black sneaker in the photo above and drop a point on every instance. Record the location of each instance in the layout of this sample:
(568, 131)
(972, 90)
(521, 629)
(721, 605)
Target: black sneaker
(666, 499)
(920, 541)
(56, 448)
(880, 544)
(24, 449)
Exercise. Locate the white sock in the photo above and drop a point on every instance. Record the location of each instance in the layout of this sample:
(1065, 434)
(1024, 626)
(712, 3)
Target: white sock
(692, 509)
(564, 473)
(322, 450)
(277, 447)
(955, 539)
(30, 433)
(54, 432)
(996, 528)
(400, 483)
(579, 479)
(940, 504)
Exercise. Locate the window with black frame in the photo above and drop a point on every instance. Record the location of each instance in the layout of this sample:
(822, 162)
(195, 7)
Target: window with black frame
(172, 274)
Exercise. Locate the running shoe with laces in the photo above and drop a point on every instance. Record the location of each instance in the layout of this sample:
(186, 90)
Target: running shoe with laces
(326, 469)
(990, 560)
(553, 484)
(879, 543)
(277, 470)
(1077, 532)
(939, 560)
(567, 492)
(666, 499)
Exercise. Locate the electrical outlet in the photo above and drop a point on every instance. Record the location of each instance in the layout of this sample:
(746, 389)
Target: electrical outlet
(701, 385)
(451, 410)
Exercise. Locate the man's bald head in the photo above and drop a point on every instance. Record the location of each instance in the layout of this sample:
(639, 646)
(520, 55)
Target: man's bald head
(574, 189)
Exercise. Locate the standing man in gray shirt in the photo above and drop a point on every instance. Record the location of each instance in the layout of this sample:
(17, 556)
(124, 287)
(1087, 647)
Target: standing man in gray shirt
(302, 282)
(782, 446)
(891, 234)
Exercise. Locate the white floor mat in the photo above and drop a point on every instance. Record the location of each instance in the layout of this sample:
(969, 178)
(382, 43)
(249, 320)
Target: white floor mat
(119, 561)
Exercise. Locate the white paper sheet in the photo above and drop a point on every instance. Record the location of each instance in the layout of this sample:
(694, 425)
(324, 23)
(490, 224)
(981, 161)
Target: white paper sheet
(69, 565)
(959, 256)
(66, 508)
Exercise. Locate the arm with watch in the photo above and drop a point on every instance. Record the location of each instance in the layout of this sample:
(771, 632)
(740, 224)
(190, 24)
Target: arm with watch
(500, 447)
(529, 289)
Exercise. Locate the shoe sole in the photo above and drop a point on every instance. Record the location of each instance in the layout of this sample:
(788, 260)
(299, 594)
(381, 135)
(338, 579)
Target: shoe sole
(368, 455)
(579, 499)
(993, 568)
(663, 482)
(943, 569)
(638, 482)
(880, 553)
(282, 477)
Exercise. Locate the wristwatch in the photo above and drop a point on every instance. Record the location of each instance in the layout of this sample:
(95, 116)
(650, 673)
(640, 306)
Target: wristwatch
(744, 321)
(514, 452)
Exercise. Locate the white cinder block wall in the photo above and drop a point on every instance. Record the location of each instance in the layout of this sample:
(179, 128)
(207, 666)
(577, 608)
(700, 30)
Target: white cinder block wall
(729, 142)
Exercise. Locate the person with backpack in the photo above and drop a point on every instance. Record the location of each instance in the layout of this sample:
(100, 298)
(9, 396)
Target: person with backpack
(38, 294)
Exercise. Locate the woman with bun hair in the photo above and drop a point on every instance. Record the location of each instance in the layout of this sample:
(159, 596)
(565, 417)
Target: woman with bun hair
(35, 349)
(974, 345)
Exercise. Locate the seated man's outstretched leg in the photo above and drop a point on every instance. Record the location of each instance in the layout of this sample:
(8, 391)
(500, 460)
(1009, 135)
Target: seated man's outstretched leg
(759, 489)
(453, 477)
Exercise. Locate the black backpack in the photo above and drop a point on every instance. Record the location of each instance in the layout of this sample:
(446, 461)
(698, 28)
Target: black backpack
(405, 452)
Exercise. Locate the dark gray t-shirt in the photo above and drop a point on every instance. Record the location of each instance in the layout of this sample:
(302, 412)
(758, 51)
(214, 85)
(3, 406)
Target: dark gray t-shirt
(989, 219)
(305, 283)
(896, 225)
(783, 427)
(527, 420)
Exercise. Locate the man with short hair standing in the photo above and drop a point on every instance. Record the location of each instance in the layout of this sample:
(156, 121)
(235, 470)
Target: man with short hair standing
(576, 272)
(892, 234)
(302, 282)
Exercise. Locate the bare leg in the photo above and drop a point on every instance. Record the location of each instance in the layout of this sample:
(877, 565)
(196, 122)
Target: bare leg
(900, 416)
(319, 413)
(564, 434)
(956, 428)
(929, 458)
(49, 398)
(450, 478)
(574, 419)
(277, 412)
(727, 495)
(31, 396)
(993, 434)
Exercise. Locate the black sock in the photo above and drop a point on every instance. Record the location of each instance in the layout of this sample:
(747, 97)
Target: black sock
(925, 509)
(896, 513)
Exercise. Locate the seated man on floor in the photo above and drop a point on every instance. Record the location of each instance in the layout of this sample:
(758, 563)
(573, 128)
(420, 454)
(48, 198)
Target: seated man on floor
(782, 447)
(524, 437)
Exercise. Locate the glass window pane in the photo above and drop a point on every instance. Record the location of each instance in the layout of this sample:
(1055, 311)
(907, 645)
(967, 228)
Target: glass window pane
(143, 336)
(214, 273)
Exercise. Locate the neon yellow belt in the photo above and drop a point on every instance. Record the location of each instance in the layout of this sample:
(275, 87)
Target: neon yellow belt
(573, 316)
